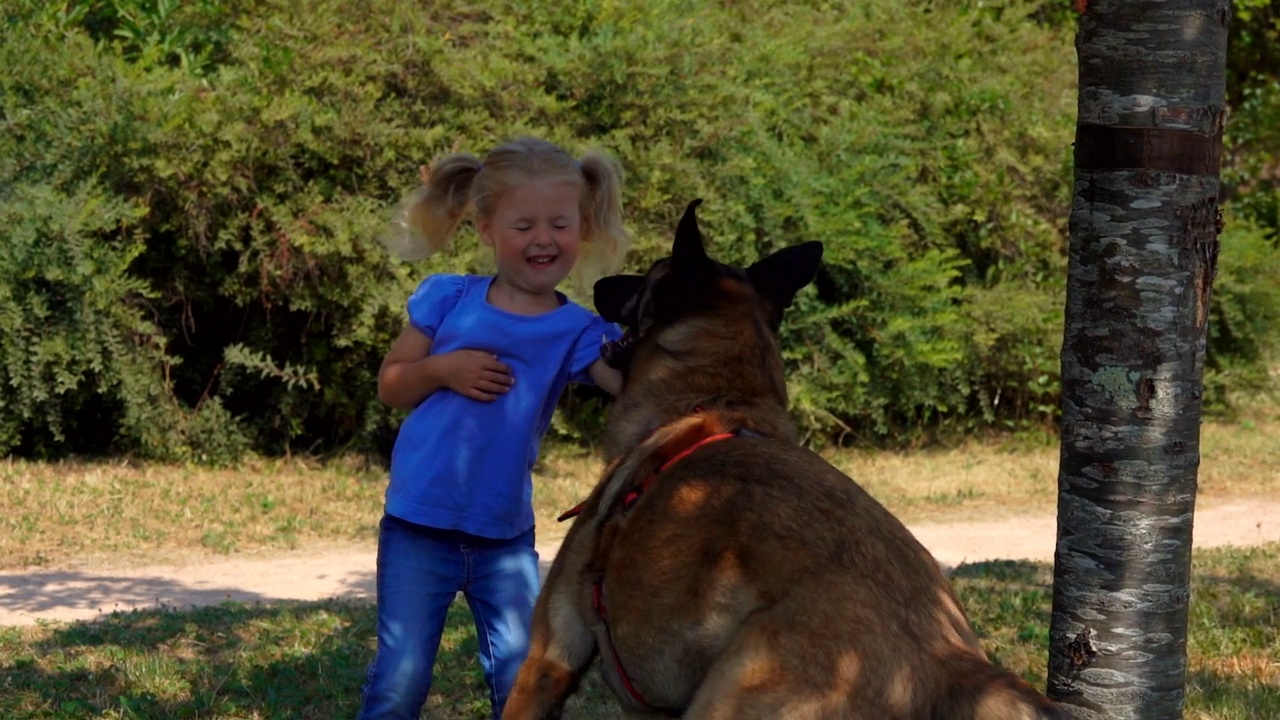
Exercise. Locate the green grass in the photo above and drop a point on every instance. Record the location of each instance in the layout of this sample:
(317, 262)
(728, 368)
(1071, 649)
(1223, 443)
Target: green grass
(1233, 645)
(286, 660)
(307, 660)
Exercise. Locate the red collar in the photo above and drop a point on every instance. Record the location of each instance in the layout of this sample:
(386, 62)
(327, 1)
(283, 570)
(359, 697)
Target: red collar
(639, 489)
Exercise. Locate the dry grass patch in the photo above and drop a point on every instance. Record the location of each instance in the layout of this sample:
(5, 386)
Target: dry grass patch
(84, 513)
(53, 513)
(1240, 459)
(979, 479)
(951, 484)
(1000, 479)
(969, 482)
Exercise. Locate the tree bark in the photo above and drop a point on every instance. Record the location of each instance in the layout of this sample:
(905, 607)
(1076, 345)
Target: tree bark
(1144, 243)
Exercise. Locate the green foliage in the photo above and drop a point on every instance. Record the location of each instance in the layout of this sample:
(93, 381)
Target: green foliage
(189, 35)
(212, 436)
(83, 359)
(1243, 343)
(1251, 172)
(72, 332)
(930, 169)
(1015, 341)
(1251, 168)
(227, 168)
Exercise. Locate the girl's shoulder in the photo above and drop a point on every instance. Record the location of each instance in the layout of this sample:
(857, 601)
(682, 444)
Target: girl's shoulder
(587, 326)
(447, 287)
(577, 314)
(436, 296)
(448, 283)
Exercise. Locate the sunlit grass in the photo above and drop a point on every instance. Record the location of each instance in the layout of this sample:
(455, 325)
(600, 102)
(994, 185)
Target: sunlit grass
(90, 512)
(85, 513)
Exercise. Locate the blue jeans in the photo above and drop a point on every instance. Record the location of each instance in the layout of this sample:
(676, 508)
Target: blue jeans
(420, 571)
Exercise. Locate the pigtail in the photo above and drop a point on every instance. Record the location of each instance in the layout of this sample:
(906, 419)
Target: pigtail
(425, 220)
(606, 240)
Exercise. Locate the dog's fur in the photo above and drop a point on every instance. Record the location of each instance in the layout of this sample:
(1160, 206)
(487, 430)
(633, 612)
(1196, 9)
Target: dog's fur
(751, 579)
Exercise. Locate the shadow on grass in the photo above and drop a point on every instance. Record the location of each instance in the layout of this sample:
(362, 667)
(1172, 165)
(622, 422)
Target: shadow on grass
(1233, 626)
(1229, 697)
(1241, 585)
(285, 661)
(1005, 571)
(295, 660)
(292, 660)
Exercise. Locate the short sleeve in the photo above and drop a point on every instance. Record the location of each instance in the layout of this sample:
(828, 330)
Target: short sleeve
(433, 300)
(587, 350)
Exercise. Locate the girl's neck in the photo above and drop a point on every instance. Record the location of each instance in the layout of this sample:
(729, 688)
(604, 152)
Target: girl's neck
(513, 299)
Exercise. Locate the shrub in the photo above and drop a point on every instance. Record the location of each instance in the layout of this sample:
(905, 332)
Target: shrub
(1244, 315)
(195, 191)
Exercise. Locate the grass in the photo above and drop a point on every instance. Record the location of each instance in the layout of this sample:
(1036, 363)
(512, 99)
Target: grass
(77, 513)
(985, 480)
(83, 514)
(307, 660)
(1233, 648)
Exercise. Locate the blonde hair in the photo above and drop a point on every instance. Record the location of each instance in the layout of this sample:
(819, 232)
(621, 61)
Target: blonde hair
(428, 217)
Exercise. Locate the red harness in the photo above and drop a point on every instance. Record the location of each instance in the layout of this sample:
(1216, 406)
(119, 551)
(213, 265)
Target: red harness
(629, 499)
(634, 493)
(597, 602)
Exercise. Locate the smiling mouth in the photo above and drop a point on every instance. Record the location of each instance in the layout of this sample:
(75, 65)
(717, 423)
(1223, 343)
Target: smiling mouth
(541, 261)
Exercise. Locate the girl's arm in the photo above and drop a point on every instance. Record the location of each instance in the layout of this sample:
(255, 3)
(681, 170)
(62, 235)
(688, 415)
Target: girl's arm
(409, 372)
(605, 377)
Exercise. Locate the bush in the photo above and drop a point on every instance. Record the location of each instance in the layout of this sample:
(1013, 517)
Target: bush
(1244, 316)
(1251, 167)
(82, 357)
(195, 192)
(931, 169)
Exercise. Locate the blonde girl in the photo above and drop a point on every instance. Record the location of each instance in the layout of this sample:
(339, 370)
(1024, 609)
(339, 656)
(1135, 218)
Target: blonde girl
(480, 365)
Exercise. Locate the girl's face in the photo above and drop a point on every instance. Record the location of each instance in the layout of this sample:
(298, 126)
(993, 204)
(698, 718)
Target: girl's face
(535, 232)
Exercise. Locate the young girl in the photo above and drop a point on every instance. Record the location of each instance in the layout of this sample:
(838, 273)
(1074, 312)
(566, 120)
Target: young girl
(481, 366)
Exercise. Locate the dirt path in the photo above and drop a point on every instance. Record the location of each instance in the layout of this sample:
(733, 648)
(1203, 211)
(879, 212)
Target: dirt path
(29, 596)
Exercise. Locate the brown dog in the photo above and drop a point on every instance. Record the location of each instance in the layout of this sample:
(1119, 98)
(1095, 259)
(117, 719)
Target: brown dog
(719, 569)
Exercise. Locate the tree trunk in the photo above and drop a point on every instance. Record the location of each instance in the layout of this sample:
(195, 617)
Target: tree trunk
(1144, 244)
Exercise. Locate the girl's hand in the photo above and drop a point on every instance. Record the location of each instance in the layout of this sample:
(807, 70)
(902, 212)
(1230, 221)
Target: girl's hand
(475, 374)
(409, 372)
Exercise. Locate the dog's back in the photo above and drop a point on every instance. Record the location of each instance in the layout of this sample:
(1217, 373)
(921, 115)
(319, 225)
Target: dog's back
(801, 594)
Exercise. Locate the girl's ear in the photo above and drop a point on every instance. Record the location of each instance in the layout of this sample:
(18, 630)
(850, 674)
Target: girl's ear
(484, 228)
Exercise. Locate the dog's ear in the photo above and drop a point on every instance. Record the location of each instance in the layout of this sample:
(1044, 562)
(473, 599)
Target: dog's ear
(689, 262)
(616, 296)
(778, 277)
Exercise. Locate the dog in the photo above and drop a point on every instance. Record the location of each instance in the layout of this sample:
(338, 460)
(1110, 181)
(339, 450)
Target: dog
(718, 569)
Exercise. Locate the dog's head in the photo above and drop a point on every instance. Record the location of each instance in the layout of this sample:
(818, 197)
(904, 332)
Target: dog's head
(689, 282)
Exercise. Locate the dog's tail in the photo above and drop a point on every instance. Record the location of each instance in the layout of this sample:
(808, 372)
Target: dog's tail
(982, 691)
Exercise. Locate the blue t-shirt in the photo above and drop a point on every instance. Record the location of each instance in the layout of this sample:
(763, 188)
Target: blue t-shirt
(463, 464)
